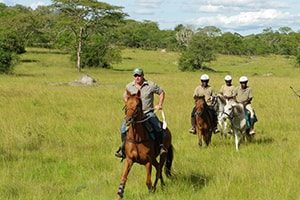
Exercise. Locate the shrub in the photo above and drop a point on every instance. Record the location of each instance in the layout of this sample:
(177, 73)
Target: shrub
(97, 52)
(12, 43)
(298, 59)
(200, 49)
(6, 60)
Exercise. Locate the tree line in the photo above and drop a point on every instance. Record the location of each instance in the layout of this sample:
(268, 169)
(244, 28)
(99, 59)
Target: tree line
(95, 32)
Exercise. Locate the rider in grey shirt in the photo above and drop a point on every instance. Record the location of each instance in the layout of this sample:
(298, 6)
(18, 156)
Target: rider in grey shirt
(147, 89)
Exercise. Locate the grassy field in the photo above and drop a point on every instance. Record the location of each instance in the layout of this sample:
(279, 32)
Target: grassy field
(57, 141)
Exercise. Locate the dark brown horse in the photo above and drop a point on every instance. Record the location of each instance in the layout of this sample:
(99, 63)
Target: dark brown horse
(140, 148)
(204, 121)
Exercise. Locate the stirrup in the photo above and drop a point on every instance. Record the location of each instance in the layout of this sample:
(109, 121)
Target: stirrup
(192, 130)
(119, 153)
(162, 150)
(252, 132)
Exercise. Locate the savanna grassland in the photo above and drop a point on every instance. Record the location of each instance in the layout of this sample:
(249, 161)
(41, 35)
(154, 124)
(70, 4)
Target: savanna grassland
(58, 141)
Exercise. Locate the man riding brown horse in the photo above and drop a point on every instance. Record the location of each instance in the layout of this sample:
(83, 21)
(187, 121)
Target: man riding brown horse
(206, 91)
(147, 89)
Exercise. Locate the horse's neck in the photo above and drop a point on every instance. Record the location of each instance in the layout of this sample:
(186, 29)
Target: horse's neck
(136, 132)
(200, 107)
(238, 111)
(220, 105)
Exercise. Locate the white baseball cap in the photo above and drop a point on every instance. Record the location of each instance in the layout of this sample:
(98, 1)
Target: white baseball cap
(243, 79)
(228, 78)
(204, 77)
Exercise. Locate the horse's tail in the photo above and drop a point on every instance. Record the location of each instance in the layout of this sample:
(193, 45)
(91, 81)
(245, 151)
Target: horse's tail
(169, 161)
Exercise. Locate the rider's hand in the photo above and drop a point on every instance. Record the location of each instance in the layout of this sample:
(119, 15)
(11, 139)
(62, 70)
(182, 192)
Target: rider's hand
(158, 107)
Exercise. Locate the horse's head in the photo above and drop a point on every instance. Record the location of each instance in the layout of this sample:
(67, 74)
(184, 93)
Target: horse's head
(228, 111)
(233, 110)
(133, 108)
(218, 103)
(200, 103)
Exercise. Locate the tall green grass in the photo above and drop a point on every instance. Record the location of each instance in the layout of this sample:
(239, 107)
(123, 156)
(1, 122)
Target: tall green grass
(57, 141)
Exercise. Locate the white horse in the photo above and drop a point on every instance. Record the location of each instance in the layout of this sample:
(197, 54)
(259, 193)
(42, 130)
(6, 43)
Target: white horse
(236, 114)
(224, 125)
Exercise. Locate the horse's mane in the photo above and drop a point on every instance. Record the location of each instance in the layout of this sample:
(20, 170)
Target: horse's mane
(202, 101)
(239, 108)
(222, 99)
(199, 97)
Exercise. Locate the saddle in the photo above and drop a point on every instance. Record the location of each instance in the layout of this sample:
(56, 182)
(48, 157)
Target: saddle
(154, 134)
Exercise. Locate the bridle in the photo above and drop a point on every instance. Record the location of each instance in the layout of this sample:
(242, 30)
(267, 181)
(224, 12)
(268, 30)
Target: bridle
(132, 120)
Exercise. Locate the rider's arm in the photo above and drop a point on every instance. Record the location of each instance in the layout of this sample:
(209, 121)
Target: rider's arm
(161, 101)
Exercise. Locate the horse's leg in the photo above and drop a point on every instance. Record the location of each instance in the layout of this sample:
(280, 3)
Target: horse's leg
(127, 167)
(200, 135)
(205, 136)
(236, 139)
(208, 134)
(158, 172)
(148, 178)
(162, 160)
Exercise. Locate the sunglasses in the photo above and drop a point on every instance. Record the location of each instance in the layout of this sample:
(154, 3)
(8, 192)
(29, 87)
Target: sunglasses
(137, 75)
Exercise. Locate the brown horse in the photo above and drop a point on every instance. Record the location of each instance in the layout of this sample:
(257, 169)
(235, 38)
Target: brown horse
(140, 148)
(204, 121)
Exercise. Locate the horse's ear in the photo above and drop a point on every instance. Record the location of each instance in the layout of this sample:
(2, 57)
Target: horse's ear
(138, 94)
(128, 93)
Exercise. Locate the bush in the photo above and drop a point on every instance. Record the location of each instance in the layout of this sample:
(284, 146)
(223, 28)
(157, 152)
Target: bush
(97, 52)
(6, 60)
(298, 59)
(12, 43)
(10, 46)
(200, 49)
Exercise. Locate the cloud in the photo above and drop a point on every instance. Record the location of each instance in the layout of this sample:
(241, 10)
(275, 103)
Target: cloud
(144, 11)
(230, 6)
(255, 4)
(32, 3)
(150, 4)
(261, 18)
(210, 8)
(147, 7)
(37, 4)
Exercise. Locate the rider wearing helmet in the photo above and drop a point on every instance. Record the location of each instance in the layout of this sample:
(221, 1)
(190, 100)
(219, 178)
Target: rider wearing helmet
(203, 90)
(244, 96)
(227, 90)
(148, 89)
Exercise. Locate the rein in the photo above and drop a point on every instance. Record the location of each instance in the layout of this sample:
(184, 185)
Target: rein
(228, 115)
(137, 142)
(132, 122)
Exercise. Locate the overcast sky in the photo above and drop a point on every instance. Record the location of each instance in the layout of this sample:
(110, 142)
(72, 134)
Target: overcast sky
(241, 16)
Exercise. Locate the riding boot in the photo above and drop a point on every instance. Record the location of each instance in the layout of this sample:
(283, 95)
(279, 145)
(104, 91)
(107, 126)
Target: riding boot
(193, 128)
(252, 131)
(120, 153)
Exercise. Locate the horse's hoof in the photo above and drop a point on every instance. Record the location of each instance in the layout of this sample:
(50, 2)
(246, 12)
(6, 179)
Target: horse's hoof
(152, 190)
(119, 196)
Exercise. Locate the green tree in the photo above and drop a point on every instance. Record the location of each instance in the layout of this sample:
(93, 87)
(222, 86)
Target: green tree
(83, 18)
(211, 31)
(97, 53)
(230, 43)
(199, 50)
(145, 35)
(184, 35)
